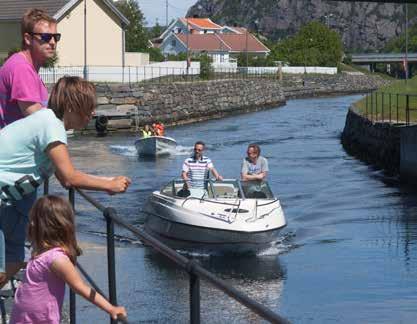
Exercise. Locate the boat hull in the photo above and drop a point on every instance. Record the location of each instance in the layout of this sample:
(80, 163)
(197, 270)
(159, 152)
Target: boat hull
(155, 146)
(182, 228)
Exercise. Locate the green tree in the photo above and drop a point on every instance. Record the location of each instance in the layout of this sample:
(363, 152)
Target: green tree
(156, 31)
(136, 36)
(314, 45)
(397, 45)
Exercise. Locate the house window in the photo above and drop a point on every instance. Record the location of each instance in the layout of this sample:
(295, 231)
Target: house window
(173, 43)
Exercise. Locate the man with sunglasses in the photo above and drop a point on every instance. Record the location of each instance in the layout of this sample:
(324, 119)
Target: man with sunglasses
(195, 169)
(22, 91)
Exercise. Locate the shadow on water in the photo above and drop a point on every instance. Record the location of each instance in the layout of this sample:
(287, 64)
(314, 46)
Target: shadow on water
(227, 267)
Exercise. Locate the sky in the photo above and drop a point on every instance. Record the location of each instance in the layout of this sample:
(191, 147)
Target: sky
(155, 10)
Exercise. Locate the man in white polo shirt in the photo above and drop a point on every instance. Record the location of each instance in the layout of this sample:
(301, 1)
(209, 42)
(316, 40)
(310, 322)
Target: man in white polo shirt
(195, 168)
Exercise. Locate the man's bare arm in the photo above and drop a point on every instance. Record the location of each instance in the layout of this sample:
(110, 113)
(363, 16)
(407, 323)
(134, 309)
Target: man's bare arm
(28, 108)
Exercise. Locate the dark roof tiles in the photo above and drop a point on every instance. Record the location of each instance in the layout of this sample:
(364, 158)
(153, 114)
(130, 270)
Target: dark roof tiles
(14, 9)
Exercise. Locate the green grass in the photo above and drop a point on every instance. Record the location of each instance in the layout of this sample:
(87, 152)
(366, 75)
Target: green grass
(389, 102)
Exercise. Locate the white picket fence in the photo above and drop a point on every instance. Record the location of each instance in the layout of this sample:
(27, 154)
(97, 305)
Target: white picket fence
(292, 70)
(119, 74)
(154, 71)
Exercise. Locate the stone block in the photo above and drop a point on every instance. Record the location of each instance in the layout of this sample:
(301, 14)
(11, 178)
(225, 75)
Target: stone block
(124, 100)
(127, 109)
(102, 100)
(106, 107)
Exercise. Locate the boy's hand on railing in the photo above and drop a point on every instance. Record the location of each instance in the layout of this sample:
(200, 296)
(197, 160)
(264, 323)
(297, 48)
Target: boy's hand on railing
(119, 184)
(118, 312)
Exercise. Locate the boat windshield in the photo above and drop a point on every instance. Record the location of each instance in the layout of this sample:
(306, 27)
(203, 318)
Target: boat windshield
(228, 188)
(257, 189)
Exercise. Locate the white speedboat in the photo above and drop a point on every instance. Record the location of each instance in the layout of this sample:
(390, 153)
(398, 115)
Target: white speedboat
(229, 215)
(155, 145)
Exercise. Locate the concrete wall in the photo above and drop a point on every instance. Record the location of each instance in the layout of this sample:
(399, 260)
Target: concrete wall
(136, 59)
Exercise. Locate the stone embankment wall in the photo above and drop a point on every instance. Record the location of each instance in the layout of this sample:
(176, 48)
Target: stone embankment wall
(324, 85)
(374, 142)
(180, 103)
(129, 107)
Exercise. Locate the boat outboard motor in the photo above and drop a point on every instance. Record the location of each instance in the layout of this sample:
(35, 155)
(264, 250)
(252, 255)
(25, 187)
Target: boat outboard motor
(101, 125)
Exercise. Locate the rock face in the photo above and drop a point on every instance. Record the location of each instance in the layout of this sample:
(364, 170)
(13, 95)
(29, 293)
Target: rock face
(363, 26)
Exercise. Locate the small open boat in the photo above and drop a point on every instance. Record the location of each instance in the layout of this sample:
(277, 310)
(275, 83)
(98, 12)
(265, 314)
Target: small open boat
(155, 145)
(229, 215)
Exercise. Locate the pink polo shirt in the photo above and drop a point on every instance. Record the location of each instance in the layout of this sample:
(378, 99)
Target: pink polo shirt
(39, 297)
(19, 81)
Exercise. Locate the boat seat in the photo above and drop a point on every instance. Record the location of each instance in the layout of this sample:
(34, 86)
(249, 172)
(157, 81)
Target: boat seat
(183, 193)
(257, 194)
(225, 191)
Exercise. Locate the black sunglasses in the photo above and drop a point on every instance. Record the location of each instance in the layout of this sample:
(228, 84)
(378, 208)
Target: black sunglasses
(46, 37)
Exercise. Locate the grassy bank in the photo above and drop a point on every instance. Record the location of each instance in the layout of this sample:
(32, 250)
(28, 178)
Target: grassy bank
(389, 103)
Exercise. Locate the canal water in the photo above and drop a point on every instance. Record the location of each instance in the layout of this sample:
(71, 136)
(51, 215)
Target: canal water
(348, 252)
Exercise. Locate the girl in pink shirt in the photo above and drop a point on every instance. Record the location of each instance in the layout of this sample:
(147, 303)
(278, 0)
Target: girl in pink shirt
(39, 297)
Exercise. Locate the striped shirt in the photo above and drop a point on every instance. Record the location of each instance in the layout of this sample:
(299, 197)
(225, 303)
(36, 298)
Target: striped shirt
(197, 170)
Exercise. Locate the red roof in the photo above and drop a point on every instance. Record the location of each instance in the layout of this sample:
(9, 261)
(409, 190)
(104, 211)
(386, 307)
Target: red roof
(202, 23)
(204, 42)
(223, 42)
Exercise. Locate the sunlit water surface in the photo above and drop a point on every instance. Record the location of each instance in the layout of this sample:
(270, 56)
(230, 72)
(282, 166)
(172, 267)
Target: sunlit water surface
(346, 256)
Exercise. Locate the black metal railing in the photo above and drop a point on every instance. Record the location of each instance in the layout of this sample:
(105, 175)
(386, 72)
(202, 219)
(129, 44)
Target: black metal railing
(391, 107)
(194, 270)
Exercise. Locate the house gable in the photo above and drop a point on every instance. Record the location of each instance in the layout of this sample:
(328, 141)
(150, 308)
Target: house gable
(104, 27)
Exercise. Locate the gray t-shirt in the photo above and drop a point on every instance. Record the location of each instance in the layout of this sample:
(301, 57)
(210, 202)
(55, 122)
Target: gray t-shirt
(249, 168)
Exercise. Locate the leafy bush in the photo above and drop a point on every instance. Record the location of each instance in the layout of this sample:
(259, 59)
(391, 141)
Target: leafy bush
(314, 45)
(206, 70)
(155, 54)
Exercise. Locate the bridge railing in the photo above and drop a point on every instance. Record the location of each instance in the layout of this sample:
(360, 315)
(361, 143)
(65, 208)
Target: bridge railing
(390, 107)
(194, 270)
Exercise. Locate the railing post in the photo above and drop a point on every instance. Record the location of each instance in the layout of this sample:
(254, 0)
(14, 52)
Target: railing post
(366, 105)
(382, 105)
(390, 104)
(71, 198)
(372, 105)
(111, 262)
(46, 187)
(376, 106)
(397, 110)
(194, 299)
(407, 109)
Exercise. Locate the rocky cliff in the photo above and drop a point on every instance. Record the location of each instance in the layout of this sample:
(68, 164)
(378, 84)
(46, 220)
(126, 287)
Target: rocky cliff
(364, 26)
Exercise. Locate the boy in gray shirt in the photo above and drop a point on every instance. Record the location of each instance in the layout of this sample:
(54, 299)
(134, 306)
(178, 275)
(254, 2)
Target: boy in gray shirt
(254, 166)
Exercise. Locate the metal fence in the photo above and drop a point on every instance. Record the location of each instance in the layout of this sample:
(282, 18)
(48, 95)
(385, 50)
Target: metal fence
(194, 270)
(153, 74)
(391, 107)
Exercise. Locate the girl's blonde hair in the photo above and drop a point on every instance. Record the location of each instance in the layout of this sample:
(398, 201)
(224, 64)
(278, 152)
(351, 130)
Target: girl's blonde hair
(51, 224)
(72, 94)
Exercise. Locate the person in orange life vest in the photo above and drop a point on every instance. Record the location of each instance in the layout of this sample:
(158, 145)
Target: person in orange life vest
(159, 129)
